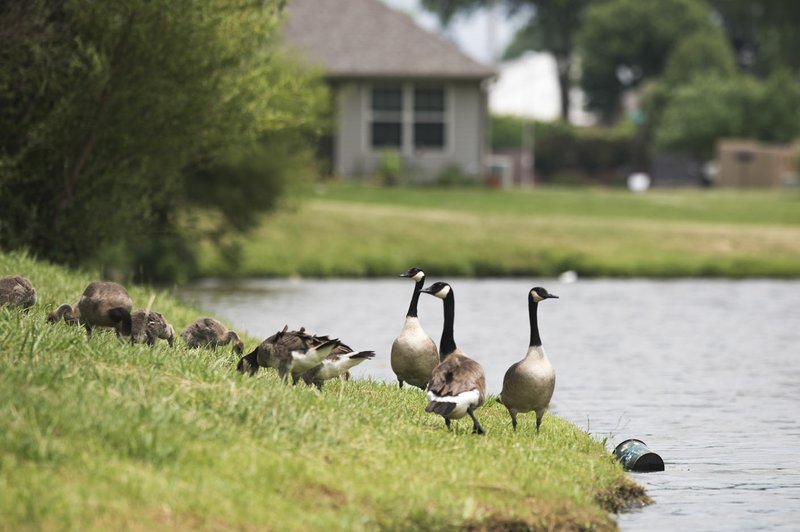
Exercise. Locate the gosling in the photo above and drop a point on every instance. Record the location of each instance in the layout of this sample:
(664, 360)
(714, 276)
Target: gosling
(17, 291)
(150, 326)
(208, 332)
(106, 304)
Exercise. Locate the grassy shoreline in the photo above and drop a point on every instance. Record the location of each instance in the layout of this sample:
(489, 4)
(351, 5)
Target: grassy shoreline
(363, 231)
(103, 435)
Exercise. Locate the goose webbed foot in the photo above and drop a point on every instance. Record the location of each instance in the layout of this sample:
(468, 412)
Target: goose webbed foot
(476, 427)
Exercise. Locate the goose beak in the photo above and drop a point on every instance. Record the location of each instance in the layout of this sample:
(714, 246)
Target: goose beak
(552, 296)
(427, 290)
(404, 274)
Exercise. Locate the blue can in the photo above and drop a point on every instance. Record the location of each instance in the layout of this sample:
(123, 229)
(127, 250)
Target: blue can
(636, 456)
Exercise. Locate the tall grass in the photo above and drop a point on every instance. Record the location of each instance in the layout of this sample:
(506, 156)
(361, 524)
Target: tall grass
(98, 434)
(355, 230)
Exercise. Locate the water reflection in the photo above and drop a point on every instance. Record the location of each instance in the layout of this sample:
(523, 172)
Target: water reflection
(705, 372)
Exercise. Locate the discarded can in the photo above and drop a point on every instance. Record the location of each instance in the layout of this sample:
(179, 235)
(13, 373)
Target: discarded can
(635, 456)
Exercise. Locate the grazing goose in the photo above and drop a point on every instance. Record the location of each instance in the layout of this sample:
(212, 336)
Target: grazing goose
(150, 326)
(106, 304)
(529, 383)
(289, 352)
(208, 332)
(339, 363)
(17, 291)
(414, 353)
(70, 314)
(457, 385)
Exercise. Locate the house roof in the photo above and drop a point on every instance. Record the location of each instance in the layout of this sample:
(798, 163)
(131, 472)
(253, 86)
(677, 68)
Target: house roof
(366, 38)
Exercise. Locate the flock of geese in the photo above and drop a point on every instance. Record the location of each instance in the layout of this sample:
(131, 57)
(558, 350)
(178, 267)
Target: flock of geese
(455, 384)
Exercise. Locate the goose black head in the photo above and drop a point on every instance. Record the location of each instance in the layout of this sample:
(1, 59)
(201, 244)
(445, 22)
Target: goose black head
(414, 273)
(540, 294)
(438, 289)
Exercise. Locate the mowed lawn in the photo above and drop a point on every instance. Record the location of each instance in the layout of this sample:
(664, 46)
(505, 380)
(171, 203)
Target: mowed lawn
(102, 435)
(360, 230)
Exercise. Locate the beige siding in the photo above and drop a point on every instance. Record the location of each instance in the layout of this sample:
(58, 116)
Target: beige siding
(465, 134)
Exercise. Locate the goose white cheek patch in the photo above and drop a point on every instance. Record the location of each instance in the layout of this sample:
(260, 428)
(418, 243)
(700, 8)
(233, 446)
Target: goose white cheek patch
(420, 274)
(441, 294)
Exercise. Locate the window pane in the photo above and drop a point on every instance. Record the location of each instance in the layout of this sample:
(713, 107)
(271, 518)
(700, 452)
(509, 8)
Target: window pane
(429, 99)
(429, 135)
(387, 99)
(387, 134)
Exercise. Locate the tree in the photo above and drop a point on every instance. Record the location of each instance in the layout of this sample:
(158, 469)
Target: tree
(551, 27)
(622, 43)
(111, 111)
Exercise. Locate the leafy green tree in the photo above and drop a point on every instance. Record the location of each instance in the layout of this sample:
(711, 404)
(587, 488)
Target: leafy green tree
(551, 27)
(114, 115)
(623, 43)
(708, 108)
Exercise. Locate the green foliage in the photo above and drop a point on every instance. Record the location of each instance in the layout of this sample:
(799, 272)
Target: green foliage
(578, 154)
(702, 53)
(710, 108)
(390, 167)
(104, 435)
(109, 111)
(453, 175)
(622, 43)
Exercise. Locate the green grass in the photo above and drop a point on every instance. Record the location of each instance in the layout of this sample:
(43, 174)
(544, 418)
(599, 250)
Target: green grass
(358, 230)
(104, 435)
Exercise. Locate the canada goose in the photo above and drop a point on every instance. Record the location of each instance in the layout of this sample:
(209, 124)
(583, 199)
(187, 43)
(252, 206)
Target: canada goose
(70, 313)
(414, 353)
(106, 304)
(150, 326)
(458, 384)
(208, 332)
(17, 291)
(289, 352)
(337, 364)
(529, 383)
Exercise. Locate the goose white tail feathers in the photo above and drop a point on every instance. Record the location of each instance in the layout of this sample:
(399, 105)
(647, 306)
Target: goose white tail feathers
(453, 406)
(304, 360)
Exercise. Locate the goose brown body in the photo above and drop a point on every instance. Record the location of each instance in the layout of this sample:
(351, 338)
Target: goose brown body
(106, 304)
(17, 291)
(208, 332)
(458, 384)
(414, 354)
(528, 385)
(149, 326)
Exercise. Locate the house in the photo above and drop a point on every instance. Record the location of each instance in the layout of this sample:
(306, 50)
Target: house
(397, 88)
(745, 163)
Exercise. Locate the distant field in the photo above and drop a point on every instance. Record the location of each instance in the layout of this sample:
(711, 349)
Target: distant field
(359, 230)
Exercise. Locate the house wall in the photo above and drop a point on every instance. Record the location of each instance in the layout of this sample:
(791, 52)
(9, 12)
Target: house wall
(466, 119)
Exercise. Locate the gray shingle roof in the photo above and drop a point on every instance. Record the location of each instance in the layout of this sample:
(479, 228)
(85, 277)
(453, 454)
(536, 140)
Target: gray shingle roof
(366, 38)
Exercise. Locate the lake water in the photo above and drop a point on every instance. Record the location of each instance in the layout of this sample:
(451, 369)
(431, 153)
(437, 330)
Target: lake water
(707, 373)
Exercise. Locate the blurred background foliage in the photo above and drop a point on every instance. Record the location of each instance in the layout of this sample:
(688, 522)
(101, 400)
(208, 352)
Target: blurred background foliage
(118, 120)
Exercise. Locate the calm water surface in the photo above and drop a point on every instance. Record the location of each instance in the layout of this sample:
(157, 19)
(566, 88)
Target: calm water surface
(707, 373)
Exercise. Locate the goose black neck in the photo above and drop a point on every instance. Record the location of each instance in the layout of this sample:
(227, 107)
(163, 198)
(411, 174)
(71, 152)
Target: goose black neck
(412, 308)
(533, 307)
(447, 345)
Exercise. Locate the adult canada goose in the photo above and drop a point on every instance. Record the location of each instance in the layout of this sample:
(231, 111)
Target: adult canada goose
(70, 314)
(289, 352)
(457, 385)
(17, 291)
(414, 353)
(339, 363)
(529, 384)
(150, 326)
(106, 304)
(208, 332)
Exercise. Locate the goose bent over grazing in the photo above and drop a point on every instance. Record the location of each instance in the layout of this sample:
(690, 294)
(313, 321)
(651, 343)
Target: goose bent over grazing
(528, 385)
(289, 352)
(414, 353)
(341, 360)
(106, 304)
(208, 332)
(17, 291)
(458, 384)
(150, 326)
(70, 314)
